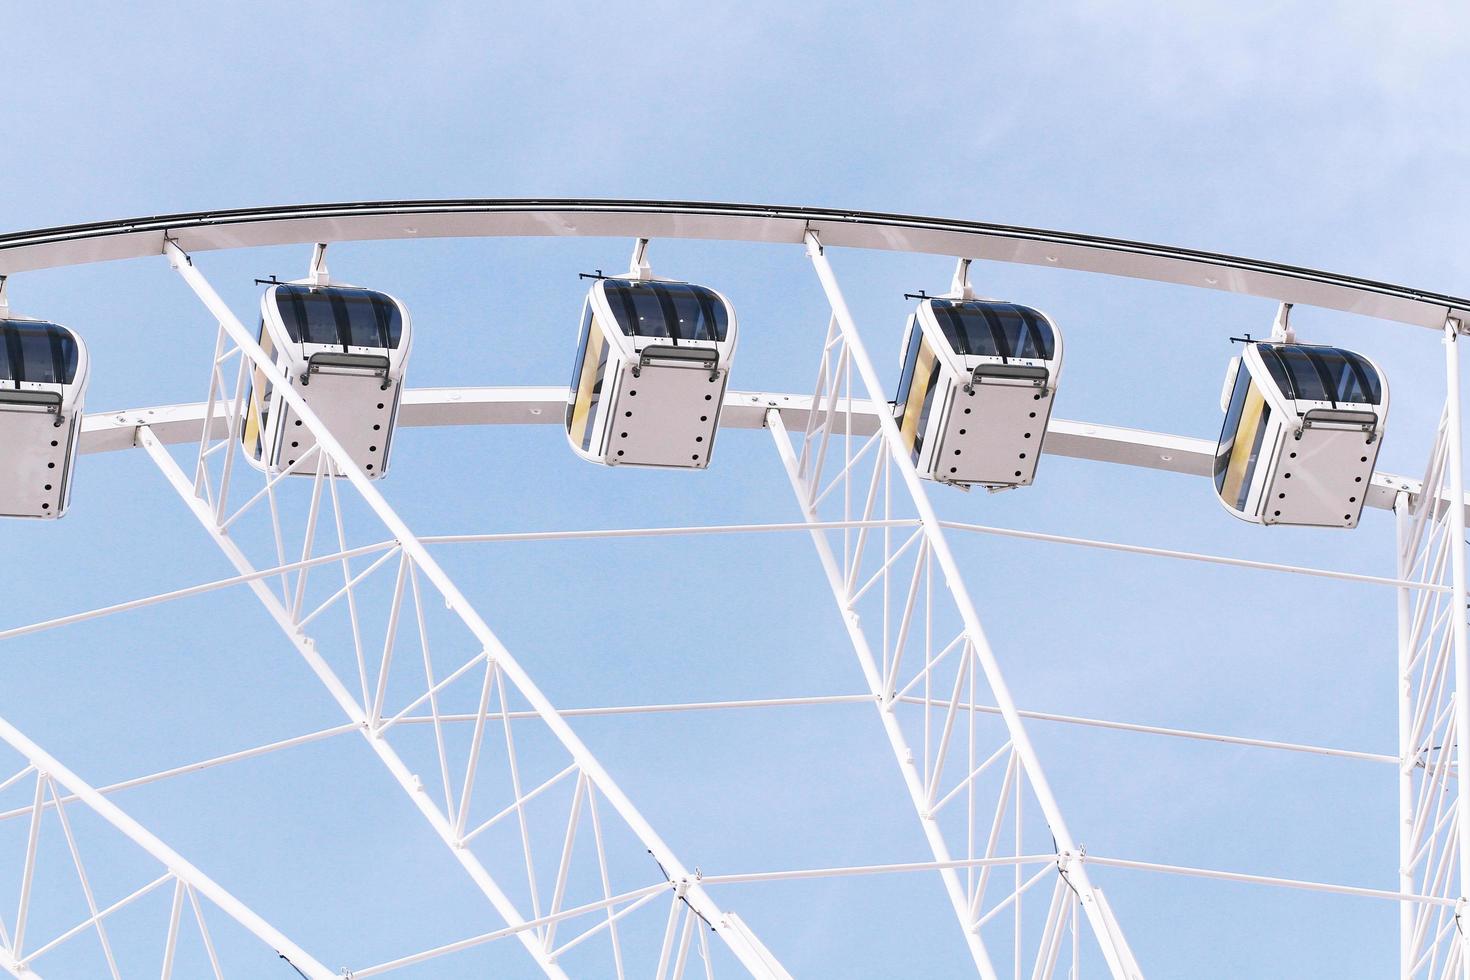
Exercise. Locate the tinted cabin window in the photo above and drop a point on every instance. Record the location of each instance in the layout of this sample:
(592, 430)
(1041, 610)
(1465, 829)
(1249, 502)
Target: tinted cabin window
(919, 386)
(994, 329)
(1231, 426)
(910, 361)
(1241, 440)
(674, 310)
(258, 400)
(1352, 377)
(339, 316)
(588, 377)
(1323, 374)
(33, 351)
(578, 363)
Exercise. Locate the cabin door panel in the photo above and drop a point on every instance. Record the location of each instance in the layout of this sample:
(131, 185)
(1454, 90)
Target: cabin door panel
(1327, 480)
(998, 441)
(674, 413)
(29, 464)
(349, 407)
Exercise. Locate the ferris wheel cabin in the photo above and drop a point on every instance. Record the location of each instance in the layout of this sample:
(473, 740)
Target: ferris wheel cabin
(976, 390)
(1303, 425)
(345, 350)
(652, 363)
(43, 378)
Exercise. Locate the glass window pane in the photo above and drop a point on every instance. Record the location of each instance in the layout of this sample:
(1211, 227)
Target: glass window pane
(1353, 379)
(339, 316)
(1241, 440)
(1232, 425)
(38, 352)
(673, 310)
(306, 315)
(577, 365)
(1321, 373)
(988, 329)
(1274, 364)
(1255, 456)
(906, 378)
(1305, 381)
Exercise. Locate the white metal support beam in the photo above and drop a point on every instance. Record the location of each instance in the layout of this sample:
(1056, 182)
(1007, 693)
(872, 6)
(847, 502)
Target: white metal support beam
(1431, 579)
(912, 777)
(543, 405)
(972, 642)
(1434, 716)
(1460, 636)
(184, 873)
(470, 218)
(1405, 696)
(497, 660)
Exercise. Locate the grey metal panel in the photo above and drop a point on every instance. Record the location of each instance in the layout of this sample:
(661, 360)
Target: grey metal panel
(250, 227)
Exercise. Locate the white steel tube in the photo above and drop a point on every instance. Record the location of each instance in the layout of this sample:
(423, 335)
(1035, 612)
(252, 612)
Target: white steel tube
(541, 405)
(199, 766)
(456, 602)
(1314, 886)
(939, 547)
(878, 869)
(181, 869)
(1402, 581)
(1458, 624)
(339, 693)
(637, 897)
(461, 218)
(650, 532)
(912, 777)
(1124, 726)
(637, 709)
(16, 968)
(185, 593)
(1404, 560)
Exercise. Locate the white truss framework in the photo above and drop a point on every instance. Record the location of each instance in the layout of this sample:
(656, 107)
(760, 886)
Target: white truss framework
(464, 791)
(55, 792)
(1434, 714)
(580, 879)
(886, 587)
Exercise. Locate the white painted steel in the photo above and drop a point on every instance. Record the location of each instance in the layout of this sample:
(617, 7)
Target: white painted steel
(1430, 860)
(1312, 886)
(173, 424)
(152, 427)
(912, 778)
(396, 767)
(737, 705)
(1402, 513)
(1459, 628)
(183, 871)
(592, 769)
(383, 220)
(848, 871)
(1069, 855)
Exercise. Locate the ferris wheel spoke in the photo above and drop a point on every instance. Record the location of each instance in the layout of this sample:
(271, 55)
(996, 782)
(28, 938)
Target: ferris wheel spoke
(921, 647)
(439, 661)
(56, 795)
(1434, 671)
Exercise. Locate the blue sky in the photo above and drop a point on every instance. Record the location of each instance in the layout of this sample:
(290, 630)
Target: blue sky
(1330, 136)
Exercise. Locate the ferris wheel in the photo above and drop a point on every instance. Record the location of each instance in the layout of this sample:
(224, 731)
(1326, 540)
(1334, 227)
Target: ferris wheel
(284, 465)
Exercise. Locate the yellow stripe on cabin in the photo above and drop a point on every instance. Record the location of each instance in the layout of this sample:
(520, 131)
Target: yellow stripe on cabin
(1245, 440)
(581, 410)
(924, 367)
(252, 437)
